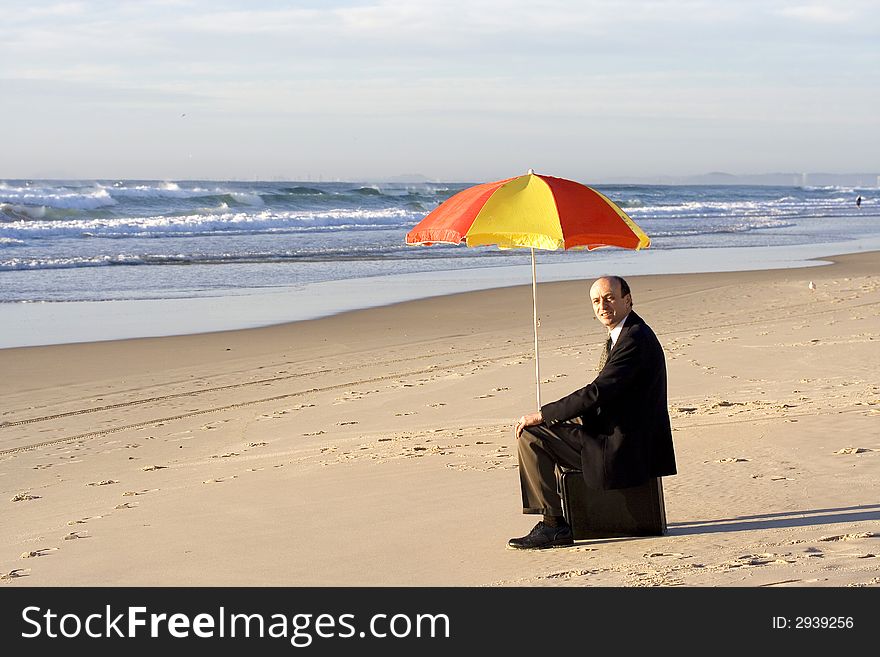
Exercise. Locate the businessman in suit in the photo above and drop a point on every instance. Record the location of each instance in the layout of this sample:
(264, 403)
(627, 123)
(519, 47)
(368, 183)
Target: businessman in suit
(615, 430)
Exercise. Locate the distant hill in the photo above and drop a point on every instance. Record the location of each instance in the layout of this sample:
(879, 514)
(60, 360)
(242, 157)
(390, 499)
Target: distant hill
(785, 179)
(779, 178)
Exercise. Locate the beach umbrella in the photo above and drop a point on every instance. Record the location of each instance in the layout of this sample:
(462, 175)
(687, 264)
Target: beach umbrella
(530, 212)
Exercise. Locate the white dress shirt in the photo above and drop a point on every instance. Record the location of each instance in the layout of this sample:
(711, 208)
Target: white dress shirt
(615, 332)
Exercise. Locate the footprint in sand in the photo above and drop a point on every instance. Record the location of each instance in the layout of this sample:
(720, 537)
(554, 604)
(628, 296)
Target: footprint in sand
(21, 497)
(15, 572)
(83, 521)
(848, 537)
(284, 411)
(37, 553)
(257, 444)
(853, 450)
(72, 536)
(213, 425)
(750, 560)
(567, 574)
(129, 493)
(225, 456)
(151, 468)
(731, 459)
(105, 482)
(125, 505)
(219, 480)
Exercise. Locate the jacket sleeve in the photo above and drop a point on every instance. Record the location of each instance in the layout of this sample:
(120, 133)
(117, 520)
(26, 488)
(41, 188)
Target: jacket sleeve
(616, 379)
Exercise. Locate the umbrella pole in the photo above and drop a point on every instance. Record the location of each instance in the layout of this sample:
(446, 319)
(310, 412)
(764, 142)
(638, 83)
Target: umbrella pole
(535, 314)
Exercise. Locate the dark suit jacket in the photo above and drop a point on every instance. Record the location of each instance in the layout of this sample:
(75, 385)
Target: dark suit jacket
(626, 433)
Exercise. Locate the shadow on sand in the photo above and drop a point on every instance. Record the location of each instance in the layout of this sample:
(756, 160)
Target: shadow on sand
(861, 513)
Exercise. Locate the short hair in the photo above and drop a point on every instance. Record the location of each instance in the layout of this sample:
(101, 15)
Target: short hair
(624, 286)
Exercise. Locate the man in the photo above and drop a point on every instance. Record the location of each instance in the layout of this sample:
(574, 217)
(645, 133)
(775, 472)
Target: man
(616, 429)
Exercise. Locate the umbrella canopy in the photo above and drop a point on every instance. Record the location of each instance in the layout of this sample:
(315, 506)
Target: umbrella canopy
(531, 211)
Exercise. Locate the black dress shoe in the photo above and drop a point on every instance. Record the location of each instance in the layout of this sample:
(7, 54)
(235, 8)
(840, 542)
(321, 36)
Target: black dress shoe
(543, 536)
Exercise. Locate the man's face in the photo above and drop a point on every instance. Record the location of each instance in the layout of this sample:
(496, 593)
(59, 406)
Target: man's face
(610, 307)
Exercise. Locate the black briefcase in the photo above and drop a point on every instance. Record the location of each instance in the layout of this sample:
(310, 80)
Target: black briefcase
(636, 511)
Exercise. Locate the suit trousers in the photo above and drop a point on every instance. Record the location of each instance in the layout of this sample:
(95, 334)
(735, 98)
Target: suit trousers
(539, 450)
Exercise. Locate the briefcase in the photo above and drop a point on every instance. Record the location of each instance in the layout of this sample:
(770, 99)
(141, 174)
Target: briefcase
(635, 511)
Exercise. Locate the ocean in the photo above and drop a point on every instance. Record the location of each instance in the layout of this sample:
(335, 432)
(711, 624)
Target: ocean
(70, 248)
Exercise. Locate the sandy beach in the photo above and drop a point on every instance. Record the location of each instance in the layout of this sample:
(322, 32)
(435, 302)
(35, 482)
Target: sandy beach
(375, 447)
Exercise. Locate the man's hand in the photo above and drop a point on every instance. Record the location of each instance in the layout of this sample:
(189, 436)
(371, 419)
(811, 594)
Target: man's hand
(528, 421)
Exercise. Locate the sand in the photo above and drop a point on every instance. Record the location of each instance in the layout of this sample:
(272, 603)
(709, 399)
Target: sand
(375, 448)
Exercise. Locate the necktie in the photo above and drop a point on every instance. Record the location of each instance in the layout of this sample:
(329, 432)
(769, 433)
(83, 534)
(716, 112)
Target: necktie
(603, 357)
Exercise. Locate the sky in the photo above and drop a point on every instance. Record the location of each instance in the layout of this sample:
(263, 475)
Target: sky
(455, 90)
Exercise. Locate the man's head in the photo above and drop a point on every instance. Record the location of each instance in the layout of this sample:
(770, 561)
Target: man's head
(611, 300)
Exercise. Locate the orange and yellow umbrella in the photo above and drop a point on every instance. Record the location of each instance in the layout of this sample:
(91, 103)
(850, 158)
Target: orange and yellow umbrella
(534, 212)
(530, 211)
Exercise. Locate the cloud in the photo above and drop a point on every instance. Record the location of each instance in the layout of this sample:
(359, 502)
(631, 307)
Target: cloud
(821, 14)
(31, 11)
(409, 73)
